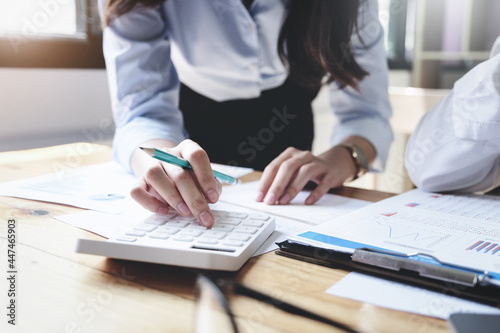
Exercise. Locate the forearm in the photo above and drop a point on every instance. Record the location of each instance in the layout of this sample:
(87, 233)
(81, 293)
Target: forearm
(145, 95)
(442, 156)
(437, 159)
(457, 165)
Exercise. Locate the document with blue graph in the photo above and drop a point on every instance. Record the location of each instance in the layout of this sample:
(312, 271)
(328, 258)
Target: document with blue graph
(462, 231)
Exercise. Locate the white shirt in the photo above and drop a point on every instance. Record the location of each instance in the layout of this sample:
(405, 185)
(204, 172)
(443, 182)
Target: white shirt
(224, 51)
(456, 146)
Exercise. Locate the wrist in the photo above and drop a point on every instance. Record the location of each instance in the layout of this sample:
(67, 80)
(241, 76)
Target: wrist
(339, 159)
(357, 157)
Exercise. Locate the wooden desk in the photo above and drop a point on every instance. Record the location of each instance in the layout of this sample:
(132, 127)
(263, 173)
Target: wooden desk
(59, 290)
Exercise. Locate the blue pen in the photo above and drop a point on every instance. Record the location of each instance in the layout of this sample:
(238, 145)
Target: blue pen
(172, 159)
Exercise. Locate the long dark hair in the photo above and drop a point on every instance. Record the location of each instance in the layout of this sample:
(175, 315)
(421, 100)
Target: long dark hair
(314, 42)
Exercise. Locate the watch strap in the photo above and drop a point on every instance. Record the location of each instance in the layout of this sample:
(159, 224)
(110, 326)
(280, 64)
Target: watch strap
(358, 157)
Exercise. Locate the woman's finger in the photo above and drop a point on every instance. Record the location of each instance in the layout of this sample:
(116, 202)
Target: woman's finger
(311, 171)
(141, 193)
(286, 174)
(270, 173)
(187, 189)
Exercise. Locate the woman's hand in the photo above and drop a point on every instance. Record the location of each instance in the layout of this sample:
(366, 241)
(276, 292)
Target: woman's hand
(287, 174)
(163, 186)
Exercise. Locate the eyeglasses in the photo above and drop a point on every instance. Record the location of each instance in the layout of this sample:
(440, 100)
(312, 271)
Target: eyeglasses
(212, 309)
(213, 313)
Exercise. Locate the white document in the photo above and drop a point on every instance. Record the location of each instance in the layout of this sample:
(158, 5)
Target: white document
(294, 217)
(458, 230)
(106, 224)
(328, 207)
(290, 219)
(104, 187)
(402, 297)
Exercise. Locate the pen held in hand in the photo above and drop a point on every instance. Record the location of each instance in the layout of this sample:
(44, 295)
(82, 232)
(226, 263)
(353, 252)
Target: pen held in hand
(172, 159)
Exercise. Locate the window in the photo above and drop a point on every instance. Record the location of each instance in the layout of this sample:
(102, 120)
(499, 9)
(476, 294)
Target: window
(50, 33)
(398, 20)
(67, 33)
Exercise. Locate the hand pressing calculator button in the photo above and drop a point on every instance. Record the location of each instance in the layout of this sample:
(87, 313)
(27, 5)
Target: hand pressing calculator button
(175, 240)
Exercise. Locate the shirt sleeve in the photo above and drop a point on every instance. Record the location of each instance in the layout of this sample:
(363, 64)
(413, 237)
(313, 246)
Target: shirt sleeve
(366, 113)
(456, 145)
(143, 83)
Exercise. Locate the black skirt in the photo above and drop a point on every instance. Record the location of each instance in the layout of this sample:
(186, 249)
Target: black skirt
(250, 132)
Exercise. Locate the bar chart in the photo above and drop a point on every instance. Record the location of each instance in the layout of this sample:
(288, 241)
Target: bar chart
(485, 247)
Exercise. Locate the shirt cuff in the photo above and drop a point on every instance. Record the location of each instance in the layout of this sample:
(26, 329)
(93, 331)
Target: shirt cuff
(140, 130)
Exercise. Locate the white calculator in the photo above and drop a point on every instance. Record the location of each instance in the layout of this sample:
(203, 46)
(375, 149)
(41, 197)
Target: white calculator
(182, 241)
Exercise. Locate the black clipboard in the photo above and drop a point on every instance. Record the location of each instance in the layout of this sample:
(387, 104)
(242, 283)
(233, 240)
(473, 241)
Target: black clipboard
(464, 285)
(473, 322)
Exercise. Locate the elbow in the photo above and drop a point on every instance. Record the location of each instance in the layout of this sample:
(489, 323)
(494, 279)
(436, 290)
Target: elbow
(430, 174)
(436, 177)
(417, 168)
(430, 183)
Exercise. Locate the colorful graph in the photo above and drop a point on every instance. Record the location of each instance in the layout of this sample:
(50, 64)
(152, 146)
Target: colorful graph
(484, 247)
(395, 231)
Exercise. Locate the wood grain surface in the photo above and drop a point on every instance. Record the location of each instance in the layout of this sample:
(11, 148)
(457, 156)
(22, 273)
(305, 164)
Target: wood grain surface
(59, 290)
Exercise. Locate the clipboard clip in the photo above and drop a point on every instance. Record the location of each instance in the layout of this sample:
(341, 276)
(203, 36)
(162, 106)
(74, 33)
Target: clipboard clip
(400, 261)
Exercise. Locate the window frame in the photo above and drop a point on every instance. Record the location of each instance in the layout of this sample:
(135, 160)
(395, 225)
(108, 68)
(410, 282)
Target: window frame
(398, 23)
(83, 50)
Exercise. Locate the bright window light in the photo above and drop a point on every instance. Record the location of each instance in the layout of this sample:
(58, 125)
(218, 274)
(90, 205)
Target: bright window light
(38, 17)
(384, 14)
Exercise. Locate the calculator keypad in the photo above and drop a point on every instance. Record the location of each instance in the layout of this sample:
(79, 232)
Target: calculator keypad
(231, 230)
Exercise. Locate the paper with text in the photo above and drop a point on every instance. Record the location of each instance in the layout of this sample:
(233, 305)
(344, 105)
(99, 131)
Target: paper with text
(461, 230)
(103, 187)
(325, 209)
(402, 297)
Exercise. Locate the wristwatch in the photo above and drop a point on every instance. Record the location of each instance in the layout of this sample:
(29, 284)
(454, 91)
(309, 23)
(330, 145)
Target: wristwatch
(358, 157)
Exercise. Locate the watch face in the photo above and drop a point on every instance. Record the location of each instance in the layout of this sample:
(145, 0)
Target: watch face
(360, 158)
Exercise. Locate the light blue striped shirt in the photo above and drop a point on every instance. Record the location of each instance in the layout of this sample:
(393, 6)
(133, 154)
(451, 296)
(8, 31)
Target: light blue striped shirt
(224, 51)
